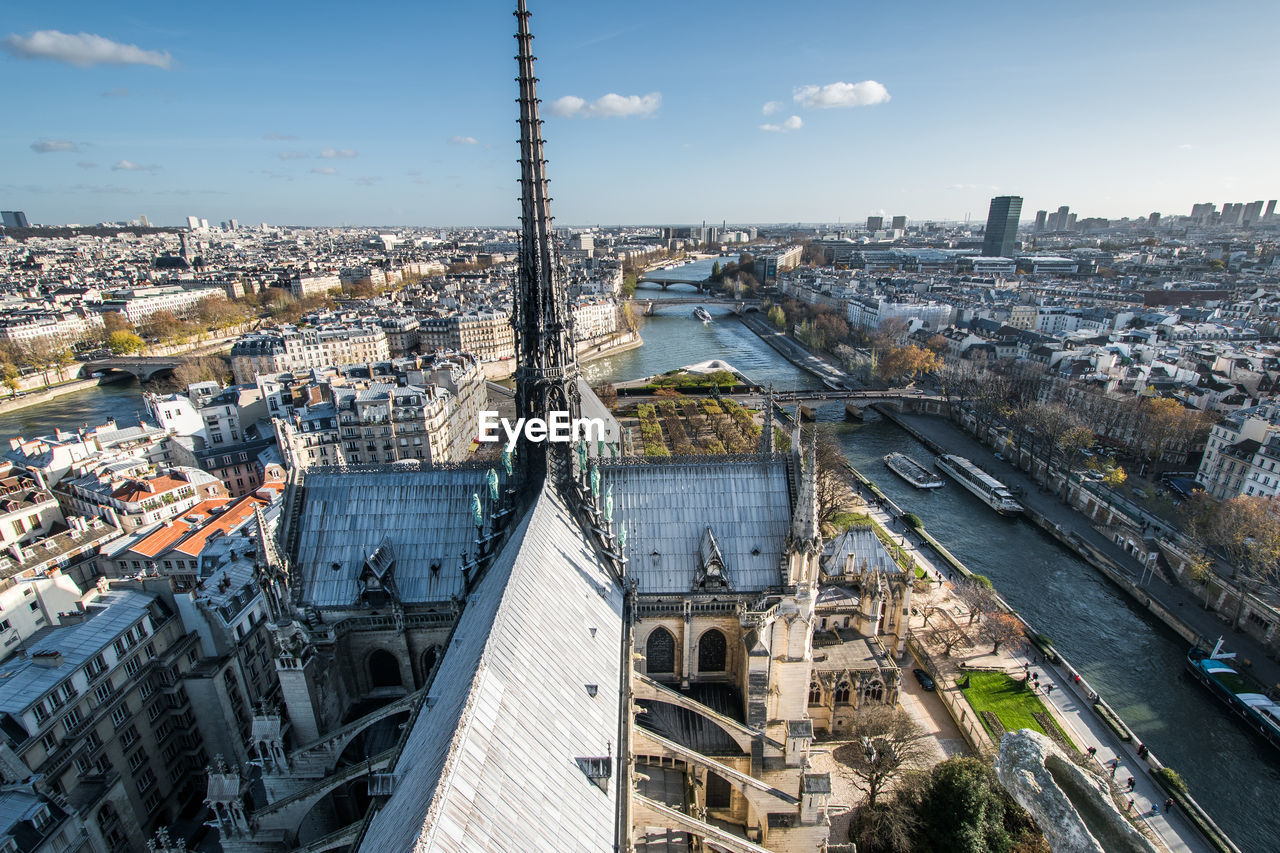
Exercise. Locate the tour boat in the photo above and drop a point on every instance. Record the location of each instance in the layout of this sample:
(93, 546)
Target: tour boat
(702, 314)
(993, 493)
(1241, 694)
(912, 471)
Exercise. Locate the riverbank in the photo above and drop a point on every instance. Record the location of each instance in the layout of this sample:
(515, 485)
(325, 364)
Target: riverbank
(610, 345)
(1077, 705)
(34, 398)
(1175, 607)
(830, 375)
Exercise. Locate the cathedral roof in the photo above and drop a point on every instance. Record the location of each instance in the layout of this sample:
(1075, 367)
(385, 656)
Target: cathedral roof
(425, 515)
(508, 751)
(666, 508)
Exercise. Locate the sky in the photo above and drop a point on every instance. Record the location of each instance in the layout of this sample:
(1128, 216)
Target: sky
(664, 112)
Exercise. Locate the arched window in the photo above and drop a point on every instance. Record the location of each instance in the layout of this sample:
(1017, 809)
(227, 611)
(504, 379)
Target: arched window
(873, 692)
(660, 651)
(384, 669)
(711, 651)
(815, 693)
(429, 661)
(842, 693)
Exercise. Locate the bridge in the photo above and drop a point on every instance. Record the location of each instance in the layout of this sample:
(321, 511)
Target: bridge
(142, 367)
(737, 306)
(664, 283)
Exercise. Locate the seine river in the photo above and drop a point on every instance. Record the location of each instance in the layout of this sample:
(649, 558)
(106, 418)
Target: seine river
(1134, 661)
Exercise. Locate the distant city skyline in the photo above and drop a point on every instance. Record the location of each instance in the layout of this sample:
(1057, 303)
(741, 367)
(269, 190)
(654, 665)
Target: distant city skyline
(311, 116)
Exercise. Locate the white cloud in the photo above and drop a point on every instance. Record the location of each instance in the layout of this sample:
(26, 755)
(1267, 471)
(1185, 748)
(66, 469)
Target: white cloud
(607, 106)
(567, 106)
(338, 153)
(862, 94)
(82, 49)
(130, 166)
(463, 140)
(771, 107)
(1186, 146)
(294, 155)
(792, 123)
(50, 146)
(324, 170)
(368, 180)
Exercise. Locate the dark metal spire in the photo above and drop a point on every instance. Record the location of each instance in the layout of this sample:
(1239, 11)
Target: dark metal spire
(547, 363)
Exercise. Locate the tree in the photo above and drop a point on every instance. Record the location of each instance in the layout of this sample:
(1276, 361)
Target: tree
(124, 343)
(777, 317)
(979, 596)
(1000, 628)
(964, 809)
(830, 484)
(896, 363)
(204, 369)
(114, 321)
(9, 377)
(948, 635)
(888, 741)
(1246, 529)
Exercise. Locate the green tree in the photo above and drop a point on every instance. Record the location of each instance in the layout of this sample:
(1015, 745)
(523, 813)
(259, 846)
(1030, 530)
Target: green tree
(964, 809)
(124, 343)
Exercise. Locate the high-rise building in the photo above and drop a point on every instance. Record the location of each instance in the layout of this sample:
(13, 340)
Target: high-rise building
(1041, 219)
(1153, 220)
(875, 223)
(1252, 213)
(193, 222)
(899, 223)
(1271, 211)
(14, 219)
(1002, 226)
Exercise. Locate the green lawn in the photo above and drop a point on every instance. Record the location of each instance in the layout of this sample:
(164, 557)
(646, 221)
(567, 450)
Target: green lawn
(1009, 701)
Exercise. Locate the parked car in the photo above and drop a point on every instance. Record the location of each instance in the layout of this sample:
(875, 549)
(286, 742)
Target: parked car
(923, 677)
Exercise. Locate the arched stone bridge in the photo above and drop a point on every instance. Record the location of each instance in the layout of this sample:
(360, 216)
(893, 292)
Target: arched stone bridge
(141, 367)
(737, 306)
(664, 283)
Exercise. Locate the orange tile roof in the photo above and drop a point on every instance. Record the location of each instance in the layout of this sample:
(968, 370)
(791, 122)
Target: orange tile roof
(164, 536)
(232, 517)
(129, 491)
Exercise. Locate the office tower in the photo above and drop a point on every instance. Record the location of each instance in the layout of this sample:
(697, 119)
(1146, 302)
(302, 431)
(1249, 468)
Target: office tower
(1041, 220)
(1070, 224)
(875, 223)
(1252, 213)
(1002, 226)
(1271, 211)
(1153, 220)
(193, 222)
(14, 219)
(899, 223)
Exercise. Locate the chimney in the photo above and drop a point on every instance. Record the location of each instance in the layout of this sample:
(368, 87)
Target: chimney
(52, 659)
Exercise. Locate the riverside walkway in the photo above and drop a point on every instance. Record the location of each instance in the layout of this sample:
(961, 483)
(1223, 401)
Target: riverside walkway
(1067, 701)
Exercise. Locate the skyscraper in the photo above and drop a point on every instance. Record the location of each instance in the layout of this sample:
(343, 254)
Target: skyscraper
(1002, 226)
(14, 219)
(899, 223)
(1041, 218)
(875, 223)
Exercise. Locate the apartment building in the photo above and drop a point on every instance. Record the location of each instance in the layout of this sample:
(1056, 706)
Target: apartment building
(293, 349)
(1242, 454)
(485, 333)
(95, 708)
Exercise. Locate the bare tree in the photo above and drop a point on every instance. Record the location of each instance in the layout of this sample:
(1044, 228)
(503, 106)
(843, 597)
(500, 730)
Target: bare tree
(887, 742)
(979, 596)
(949, 635)
(1000, 628)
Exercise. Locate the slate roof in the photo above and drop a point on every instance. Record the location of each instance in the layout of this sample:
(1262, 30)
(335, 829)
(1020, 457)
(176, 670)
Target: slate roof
(666, 508)
(491, 760)
(426, 515)
(863, 547)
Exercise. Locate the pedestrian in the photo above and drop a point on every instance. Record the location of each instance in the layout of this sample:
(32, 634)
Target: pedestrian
(1128, 786)
(1129, 807)
(1048, 689)
(1093, 750)
(1114, 766)
(1168, 806)
(1026, 667)
(1155, 808)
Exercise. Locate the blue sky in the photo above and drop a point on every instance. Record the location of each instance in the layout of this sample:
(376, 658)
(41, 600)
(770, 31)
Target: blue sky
(397, 113)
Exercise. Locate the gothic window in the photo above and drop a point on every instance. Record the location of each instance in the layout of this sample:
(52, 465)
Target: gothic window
(815, 693)
(842, 693)
(660, 651)
(873, 692)
(711, 651)
(384, 669)
(429, 661)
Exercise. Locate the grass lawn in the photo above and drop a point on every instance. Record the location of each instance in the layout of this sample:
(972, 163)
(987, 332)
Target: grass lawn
(1009, 701)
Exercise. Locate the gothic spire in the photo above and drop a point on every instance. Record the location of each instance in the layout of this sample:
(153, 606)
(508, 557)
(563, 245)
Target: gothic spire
(547, 365)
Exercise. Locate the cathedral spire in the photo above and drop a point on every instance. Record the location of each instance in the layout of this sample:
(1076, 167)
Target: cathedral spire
(547, 364)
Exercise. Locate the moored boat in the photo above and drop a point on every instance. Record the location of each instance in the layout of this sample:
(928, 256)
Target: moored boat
(912, 471)
(993, 493)
(1241, 694)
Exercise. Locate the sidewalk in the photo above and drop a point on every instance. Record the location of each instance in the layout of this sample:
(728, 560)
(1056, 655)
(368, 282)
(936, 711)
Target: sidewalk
(1071, 708)
(1181, 602)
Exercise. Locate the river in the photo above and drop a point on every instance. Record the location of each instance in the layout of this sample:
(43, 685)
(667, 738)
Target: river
(1133, 660)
